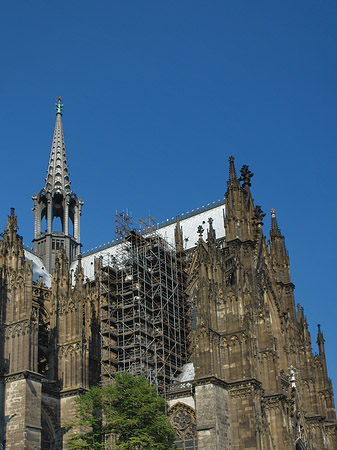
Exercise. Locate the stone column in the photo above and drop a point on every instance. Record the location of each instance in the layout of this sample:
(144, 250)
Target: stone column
(23, 411)
(76, 223)
(66, 216)
(67, 412)
(49, 215)
(212, 416)
(37, 218)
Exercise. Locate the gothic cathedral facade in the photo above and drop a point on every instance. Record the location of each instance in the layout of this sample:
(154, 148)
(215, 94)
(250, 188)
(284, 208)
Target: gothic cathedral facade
(213, 324)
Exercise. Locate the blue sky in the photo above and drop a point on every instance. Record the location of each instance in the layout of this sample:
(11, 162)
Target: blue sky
(157, 95)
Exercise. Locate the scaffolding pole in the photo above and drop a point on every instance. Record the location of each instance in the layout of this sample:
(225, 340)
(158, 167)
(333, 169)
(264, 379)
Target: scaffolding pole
(142, 306)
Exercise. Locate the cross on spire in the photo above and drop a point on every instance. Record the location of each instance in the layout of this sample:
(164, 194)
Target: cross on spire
(59, 106)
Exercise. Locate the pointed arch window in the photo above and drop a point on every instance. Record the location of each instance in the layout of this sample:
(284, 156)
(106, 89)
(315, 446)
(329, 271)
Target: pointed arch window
(183, 421)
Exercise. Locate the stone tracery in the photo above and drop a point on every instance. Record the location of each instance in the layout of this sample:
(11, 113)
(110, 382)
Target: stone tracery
(183, 421)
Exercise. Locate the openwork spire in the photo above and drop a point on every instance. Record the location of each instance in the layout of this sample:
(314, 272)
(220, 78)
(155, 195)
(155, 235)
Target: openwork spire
(58, 205)
(58, 174)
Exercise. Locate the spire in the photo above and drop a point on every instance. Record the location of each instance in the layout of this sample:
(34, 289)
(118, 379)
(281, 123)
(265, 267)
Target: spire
(11, 238)
(239, 205)
(12, 223)
(278, 251)
(58, 173)
(211, 238)
(79, 274)
(320, 340)
(57, 201)
(232, 172)
(274, 227)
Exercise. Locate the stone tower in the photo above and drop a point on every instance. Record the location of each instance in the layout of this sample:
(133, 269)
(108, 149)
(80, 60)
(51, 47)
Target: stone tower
(57, 200)
(20, 382)
(257, 383)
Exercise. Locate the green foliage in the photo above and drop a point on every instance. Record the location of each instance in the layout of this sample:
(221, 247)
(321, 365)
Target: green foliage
(88, 421)
(132, 412)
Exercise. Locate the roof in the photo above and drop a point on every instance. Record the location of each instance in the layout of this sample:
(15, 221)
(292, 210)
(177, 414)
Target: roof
(189, 226)
(58, 173)
(38, 268)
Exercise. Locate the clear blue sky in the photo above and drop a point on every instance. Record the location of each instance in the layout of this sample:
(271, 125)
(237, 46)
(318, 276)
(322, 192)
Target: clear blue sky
(158, 94)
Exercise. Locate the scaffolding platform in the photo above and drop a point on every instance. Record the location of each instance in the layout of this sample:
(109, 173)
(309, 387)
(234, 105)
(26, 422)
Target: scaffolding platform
(142, 306)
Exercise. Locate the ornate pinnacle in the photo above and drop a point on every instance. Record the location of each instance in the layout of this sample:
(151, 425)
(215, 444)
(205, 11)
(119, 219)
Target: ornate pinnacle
(319, 334)
(12, 224)
(211, 232)
(274, 227)
(258, 215)
(320, 340)
(200, 231)
(246, 175)
(232, 173)
(59, 106)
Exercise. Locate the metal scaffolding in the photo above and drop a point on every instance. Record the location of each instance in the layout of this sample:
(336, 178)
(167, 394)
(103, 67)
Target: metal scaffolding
(142, 307)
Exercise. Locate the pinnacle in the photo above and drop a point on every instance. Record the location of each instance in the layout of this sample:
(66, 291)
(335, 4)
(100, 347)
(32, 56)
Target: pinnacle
(232, 172)
(58, 173)
(319, 334)
(246, 175)
(12, 224)
(200, 232)
(274, 227)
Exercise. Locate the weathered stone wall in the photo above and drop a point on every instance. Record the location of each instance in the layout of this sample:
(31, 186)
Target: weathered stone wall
(212, 414)
(246, 420)
(67, 414)
(23, 414)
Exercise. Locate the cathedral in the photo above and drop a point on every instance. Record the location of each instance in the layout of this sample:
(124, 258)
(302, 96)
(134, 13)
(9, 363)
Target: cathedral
(202, 305)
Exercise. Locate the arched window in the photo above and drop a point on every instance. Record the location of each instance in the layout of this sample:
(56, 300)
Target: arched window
(182, 418)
